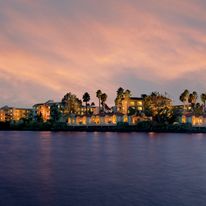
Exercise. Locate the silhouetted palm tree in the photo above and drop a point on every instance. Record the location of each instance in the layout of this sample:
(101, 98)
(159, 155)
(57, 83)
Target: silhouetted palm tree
(86, 99)
(203, 99)
(127, 93)
(195, 96)
(103, 99)
(98, 95)
(119, 97)
(191, 100)
(184, 97)
(120, 92)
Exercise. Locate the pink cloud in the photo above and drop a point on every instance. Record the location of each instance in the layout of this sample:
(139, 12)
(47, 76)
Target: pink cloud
(89, 47)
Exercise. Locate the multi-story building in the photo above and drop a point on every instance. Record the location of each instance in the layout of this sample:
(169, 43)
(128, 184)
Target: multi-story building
(129, 102)
(91, 109)
(8, 114)
(194, 120)
(2, 115)
(104, 120)
(43, 110)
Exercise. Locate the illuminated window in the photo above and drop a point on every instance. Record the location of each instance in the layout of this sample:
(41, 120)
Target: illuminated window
(193, 120)
(84, 120)
(114, 119)
(98, 121)
(125, 119)
(132, 103)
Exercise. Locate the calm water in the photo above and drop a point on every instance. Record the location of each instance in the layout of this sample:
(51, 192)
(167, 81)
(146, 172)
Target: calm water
(44, 168)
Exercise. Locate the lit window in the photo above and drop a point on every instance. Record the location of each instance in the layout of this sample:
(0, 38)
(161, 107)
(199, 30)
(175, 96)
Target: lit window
(125, 119)
(132, 103)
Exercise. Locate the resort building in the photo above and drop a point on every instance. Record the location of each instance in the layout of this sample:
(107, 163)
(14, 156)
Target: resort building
(91, 109)
(2, 116)
(8, 114)
(104, 120)
(195, 120)
(129, 102)
(42, 110)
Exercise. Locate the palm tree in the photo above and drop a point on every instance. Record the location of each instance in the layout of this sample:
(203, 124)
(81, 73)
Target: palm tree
(86, 99)
(184, 97)
(195, 95)
(127, 93)
(203, 99)
(103, 99)
(191, 100)
(119, 97)
(120, 92)
(98, 95)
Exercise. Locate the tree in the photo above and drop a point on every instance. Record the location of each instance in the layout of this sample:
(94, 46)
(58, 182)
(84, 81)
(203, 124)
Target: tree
(175, 114)
(184, 97)
(158, 106)
(203, 99)
(103, 99)
(127, 93)
(29, 118)
(198, 109)
(131, 111)
(39, 118)
(119, 97)
(120, 92)
(192, 99)
(70, 104)
(86, 99)
(55, 112)
(98, 95)
(195, 96)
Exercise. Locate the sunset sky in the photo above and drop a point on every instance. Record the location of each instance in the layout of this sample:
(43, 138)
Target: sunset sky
(50, 47)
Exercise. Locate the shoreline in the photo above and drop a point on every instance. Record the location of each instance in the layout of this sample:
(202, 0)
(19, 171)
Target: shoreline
(127, 129)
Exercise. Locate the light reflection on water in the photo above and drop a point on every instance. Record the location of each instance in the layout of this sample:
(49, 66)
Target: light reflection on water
(65, 168)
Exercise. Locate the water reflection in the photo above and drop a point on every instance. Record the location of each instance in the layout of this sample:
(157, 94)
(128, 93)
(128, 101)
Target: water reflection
(45, 134)
(45, 168)
(152, 134)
